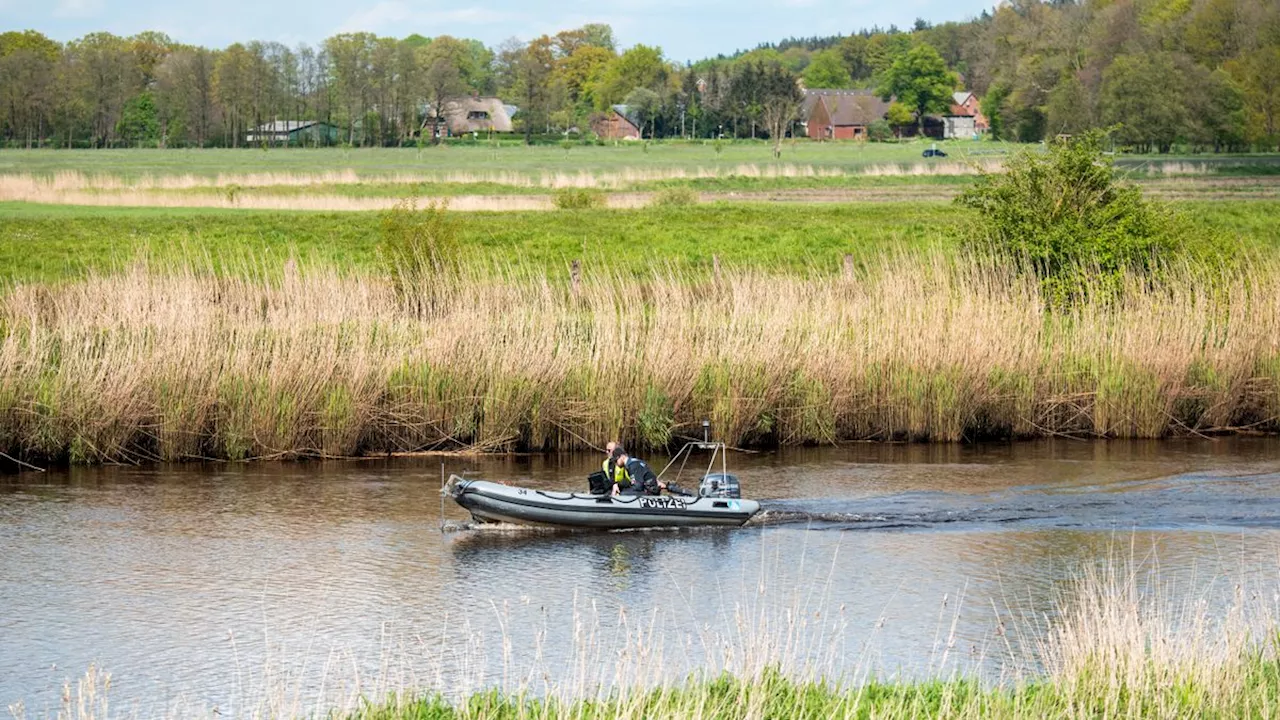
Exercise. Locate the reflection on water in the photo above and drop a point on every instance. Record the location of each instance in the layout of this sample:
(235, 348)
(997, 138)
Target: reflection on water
(187, 581)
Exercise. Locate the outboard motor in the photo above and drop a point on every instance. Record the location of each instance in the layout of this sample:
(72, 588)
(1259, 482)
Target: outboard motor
(720, 485)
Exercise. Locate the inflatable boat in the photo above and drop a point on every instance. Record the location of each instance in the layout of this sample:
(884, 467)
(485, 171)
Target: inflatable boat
(494, 502)
(718, 503)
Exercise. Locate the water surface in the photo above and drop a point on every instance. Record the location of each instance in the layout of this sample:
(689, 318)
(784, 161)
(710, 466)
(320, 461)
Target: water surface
(222, 585)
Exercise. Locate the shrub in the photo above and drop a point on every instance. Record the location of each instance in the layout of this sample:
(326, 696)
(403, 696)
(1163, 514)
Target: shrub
(1066, 217)
(416, 242)
(578, 199)
(675, 197)
(879, 131)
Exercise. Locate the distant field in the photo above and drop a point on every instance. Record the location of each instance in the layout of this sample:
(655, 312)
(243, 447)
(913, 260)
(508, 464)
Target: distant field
(480, 157)
(821, 201)
(541, 160)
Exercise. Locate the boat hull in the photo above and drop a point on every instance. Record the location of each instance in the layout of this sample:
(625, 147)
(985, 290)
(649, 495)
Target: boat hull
(493, 502)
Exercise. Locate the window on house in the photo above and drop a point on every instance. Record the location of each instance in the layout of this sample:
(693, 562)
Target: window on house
(478, 115)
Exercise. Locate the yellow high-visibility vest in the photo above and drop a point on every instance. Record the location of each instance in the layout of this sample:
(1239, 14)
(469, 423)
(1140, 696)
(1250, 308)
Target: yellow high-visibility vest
(620, 476)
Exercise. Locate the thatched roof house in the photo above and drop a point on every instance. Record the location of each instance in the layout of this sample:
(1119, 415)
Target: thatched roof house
(472, 114)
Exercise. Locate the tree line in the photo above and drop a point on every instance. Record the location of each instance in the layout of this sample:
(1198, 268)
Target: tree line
(1204, 74)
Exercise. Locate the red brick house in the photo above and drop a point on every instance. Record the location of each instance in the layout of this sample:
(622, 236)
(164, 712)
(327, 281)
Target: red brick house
(964, 119)
(615, 125)
(840, 114)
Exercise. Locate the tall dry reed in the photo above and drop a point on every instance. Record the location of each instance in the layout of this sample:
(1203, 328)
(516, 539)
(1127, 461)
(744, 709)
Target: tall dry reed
(169, 364)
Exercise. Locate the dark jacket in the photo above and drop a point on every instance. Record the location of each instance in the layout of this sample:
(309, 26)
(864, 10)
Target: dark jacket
(643, 480)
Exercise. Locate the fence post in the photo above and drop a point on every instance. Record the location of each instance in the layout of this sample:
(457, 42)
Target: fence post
(575, 275)
(848, 266)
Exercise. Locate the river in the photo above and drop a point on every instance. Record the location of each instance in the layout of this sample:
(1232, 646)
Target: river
(296, 585)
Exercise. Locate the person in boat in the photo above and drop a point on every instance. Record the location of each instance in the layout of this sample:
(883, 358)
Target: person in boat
(643, 480)
(614, 471)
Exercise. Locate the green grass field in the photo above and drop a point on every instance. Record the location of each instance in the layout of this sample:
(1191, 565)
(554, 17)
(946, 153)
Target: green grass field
(43, 242)
(47, 242)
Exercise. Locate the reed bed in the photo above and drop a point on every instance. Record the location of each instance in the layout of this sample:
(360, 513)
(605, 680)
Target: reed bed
(165, 364)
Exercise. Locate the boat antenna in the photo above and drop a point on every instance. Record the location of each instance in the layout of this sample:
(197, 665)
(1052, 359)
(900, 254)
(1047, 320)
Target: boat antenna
(706, 430)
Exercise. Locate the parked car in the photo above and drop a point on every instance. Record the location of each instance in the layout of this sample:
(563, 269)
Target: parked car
(934, 152)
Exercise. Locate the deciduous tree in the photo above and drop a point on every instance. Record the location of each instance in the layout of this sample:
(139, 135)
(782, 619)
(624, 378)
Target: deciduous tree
(1258, 76)
(527, 72)
(921, 81)
(827, 70)
(643, 104)
(443, 77)
(1142, 94)
(780, 102)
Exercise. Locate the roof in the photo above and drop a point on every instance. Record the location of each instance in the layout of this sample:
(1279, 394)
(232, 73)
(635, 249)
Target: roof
(457, 114)
(284, 126)
(847, 107)
(957, 106)
(626, 113)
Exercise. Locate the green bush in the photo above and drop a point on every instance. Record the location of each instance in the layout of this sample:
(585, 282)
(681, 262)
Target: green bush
(415, 242)
(675, 197)
(879, 131)
(1064, 215)
(578, 199)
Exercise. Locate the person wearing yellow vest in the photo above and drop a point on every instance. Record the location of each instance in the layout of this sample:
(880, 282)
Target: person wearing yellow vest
(615, 471)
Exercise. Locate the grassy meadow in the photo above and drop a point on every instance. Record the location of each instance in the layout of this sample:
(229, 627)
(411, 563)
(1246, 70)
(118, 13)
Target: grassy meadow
(819, 301)
(56, 242)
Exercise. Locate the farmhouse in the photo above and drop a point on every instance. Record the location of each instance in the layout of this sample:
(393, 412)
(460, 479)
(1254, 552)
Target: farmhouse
(616, 124)
(964, 119)
(840, 114)
(472, 115)
(294, 132)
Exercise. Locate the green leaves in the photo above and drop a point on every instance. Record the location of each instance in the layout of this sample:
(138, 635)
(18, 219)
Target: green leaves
(827, 70)
(921, 81)
(1071, 222)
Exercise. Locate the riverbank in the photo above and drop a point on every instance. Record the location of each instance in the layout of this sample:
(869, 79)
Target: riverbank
(156, 364)
(1251, 694)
